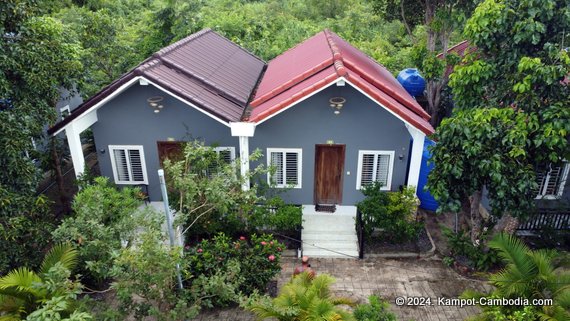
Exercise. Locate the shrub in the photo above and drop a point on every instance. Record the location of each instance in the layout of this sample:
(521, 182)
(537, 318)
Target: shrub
(103, 219)
(480, 258)
(394, 213)
(250, 263)
(375, 310)
(146, 279)
(275, 215)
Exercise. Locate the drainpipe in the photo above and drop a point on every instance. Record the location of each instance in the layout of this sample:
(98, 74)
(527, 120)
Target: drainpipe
(169, 221)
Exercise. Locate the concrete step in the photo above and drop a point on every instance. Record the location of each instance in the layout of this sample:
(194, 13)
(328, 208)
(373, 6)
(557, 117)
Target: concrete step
(329, 237)
(325, 253)
(329, 229)
(333, 245)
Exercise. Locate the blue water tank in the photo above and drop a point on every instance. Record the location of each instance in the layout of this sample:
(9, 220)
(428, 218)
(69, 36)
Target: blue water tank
(427, 201)
(412, 81)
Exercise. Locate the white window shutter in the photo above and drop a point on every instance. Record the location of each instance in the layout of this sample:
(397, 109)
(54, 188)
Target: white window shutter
(367, 173)
(121, 165)
(128, 164)
(136, 165)
(382, 169)
(291, 168)
(277, 163)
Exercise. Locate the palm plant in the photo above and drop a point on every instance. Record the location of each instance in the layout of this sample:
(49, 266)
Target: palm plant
(305, 298)
(22, 290)
(529, 274)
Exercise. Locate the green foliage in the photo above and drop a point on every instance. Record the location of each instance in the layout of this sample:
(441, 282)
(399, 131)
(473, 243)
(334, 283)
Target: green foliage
(146, 279)
(394, 213)
(460, 244)
(484, 148)
(275, 215)
(245, 265)
(104, 218)
(529, 275)
(305, 297)
(375, 310)
(47, 295)
(36, 59)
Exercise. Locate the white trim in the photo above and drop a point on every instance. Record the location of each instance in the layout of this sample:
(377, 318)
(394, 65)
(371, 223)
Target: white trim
(114, 166)
(415, 161)
(299, 152)
(76, 150)
(128, 85)
(243, 129)
(64, 109)
(223, 148)
(102, 102)
(143, 82)
(387, 109)
(361, 154)
(244, 161)
(296, 102)
(560, 189)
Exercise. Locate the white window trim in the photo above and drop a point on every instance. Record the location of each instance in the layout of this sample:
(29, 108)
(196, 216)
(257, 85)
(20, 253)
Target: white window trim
(63, 109)
(299, 152)
(542, 196)
(361, 153)
(114, 166)
(224, 148)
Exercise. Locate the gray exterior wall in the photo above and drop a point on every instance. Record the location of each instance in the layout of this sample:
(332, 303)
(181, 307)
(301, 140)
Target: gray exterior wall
(128, 120)
(361, 125)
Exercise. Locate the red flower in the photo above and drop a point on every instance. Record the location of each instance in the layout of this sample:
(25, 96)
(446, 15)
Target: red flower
(242, 238)
(199, 251)
(271, 243)
(263, 243)
(271, 258)
(279, 249)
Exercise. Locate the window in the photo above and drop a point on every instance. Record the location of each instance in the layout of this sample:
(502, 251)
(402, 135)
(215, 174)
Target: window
(287, 163)
(64, 111)
(375, 165)
(551, 180)
(128, 164)
(225, 154)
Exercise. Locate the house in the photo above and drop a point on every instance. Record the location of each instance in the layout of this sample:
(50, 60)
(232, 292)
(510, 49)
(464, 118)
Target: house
(327, 116)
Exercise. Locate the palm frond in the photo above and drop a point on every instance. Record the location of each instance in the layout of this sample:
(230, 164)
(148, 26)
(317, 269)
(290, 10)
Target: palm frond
(63, 253)
(343, 301)
(21, 279)
(514, 252)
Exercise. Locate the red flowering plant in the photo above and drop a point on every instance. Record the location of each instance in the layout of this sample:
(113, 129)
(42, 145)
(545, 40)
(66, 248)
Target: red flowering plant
(258, 258)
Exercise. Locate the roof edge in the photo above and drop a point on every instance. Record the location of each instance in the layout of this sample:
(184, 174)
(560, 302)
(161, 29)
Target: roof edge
(338, 60)
(181, 42)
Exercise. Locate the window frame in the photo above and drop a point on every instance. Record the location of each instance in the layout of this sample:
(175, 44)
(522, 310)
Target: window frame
(299, 152)
(232, 150)
(559, 189)
(361, 154)
(140, 148)
(63, 109)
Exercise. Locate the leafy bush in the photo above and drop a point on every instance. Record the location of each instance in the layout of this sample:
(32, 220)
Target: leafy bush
(375, 310)
(394, 213)
(480, 258)
(146, 279)
(305, 297)
(275, 215)
(249, 264)
(48, 294)
(104, 218)
(528, 274)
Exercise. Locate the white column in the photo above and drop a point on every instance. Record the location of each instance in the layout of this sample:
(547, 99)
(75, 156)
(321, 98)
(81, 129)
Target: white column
(74, 142)
(418, 138)
(243, 130)
(244, 160)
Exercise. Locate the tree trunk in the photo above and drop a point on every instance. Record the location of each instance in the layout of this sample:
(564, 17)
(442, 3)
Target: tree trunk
(507, 224)
(56, 164)
(476, 219)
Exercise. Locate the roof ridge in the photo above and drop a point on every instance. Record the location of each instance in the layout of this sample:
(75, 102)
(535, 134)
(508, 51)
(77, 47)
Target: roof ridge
(295, 46)
(338, 61)
(236, 45)
(181, 42)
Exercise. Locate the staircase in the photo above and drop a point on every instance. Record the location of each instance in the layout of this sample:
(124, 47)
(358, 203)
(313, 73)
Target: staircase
(328, 234)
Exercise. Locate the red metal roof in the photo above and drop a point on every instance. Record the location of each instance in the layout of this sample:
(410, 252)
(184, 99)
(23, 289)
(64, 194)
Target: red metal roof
(204, 68)
(321, 60)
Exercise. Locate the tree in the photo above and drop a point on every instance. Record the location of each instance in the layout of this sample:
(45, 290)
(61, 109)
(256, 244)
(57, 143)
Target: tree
(36, 59)
(512, 109)
(305, 297)
(528, 274)
(440, 18)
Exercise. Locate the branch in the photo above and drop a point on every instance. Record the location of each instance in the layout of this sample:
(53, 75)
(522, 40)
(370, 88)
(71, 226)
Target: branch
(189, 226)
(403, 14)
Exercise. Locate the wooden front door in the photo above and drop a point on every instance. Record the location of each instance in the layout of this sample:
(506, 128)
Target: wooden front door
(170, 150)
(329, 168)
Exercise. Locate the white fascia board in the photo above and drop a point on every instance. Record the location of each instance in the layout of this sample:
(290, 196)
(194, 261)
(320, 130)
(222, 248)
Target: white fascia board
(101, 103)
(407, 123)
(126, 86)
(85, 121)
(188, 103)
(242, 129)
(300, 100)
